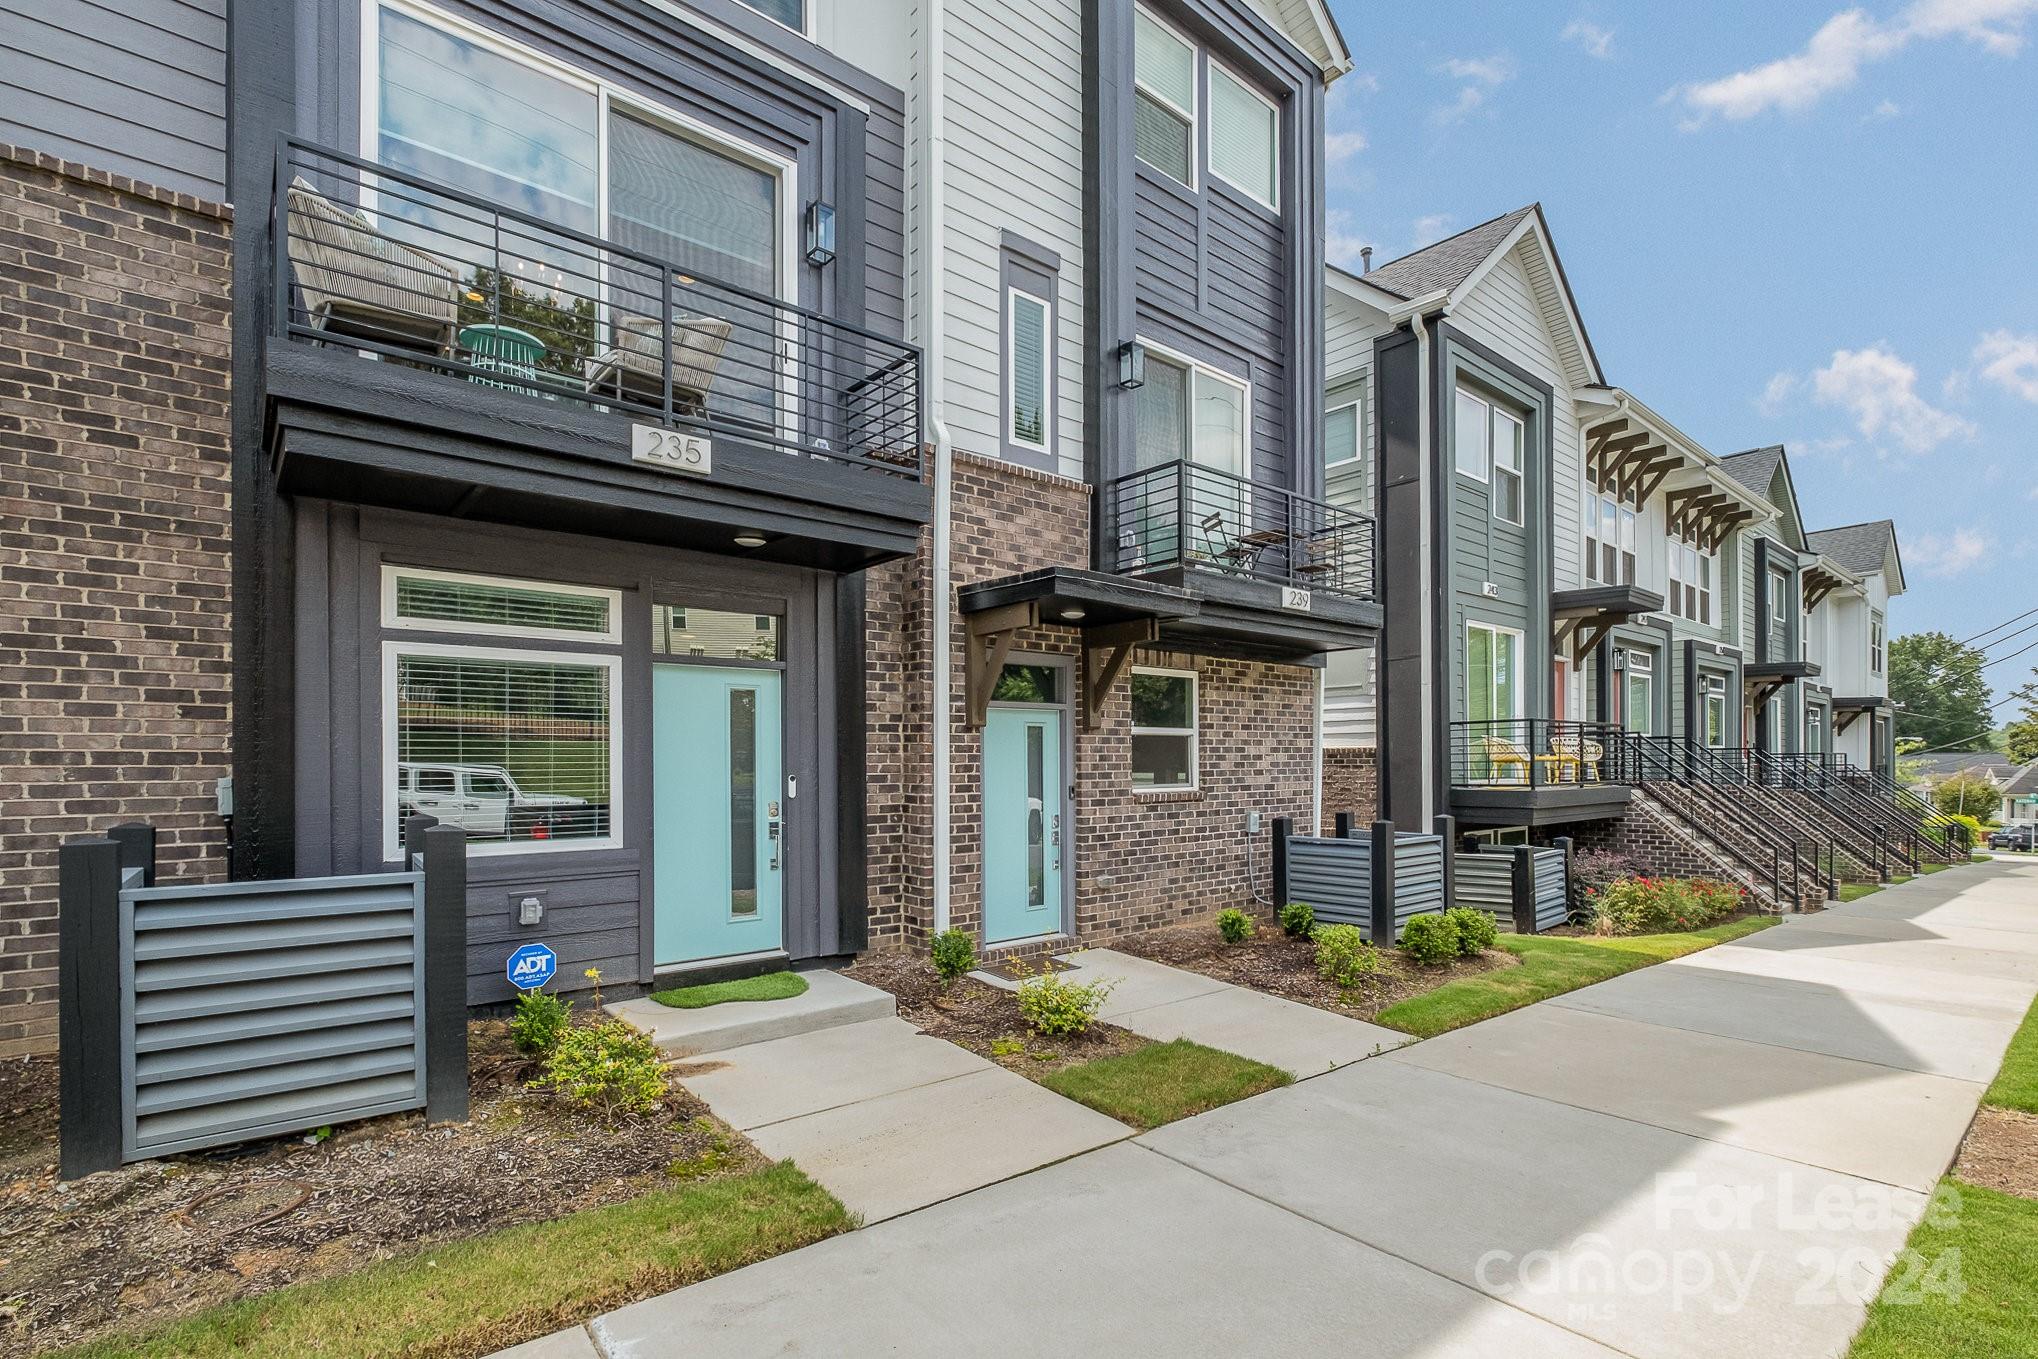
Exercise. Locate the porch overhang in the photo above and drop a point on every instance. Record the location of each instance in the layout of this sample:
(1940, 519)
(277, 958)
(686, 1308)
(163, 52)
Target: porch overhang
(1112, 614)
(1763, 679)
(1848, 711)
(1586, 616)
(1246, 618)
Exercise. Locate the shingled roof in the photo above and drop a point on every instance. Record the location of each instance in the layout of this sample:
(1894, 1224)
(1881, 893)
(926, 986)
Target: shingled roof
(1860, 548)
(1754, 469)
(1449, 262)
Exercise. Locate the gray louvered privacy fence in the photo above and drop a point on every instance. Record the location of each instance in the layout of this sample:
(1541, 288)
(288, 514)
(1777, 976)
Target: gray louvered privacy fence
(1518, 886)
(196, 1015)
(1486, 883)
(1339, 879)
(1552, 888)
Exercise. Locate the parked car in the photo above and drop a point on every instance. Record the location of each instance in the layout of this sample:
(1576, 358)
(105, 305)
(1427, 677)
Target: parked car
(485, 801)
(2019, 835)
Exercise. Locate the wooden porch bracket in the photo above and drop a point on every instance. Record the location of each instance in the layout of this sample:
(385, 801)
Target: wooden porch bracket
(990, 635)
(1846, 718)
(1766, 689)
(1107, 651)
(1591, 632)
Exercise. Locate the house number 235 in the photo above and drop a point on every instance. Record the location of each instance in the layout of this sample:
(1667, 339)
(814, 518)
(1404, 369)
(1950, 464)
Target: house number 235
(672, 449)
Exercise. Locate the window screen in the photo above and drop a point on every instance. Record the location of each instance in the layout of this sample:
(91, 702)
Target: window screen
(1164, 103)
(1163, 730)
(1244, 137)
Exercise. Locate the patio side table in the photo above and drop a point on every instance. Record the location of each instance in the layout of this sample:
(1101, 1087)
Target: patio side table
(506, 350)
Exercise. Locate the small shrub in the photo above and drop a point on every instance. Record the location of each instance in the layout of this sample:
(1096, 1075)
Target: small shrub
(1007, 1046)
(1343, 957)
(1713, 901)
(1056, 1006)
(608, 1067)
(1430, 938)
(1298, 919)
(1658, 905)
(539, 1019)
(1476, 930)
(1592, 872)
(955, 954)
(1235, 925)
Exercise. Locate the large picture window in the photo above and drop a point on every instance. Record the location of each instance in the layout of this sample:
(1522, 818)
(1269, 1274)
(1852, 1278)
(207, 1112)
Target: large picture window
(1488, 442)
(511, 742)
(1163, 730)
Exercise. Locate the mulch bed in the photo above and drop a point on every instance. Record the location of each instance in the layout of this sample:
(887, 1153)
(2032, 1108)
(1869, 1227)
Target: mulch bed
(167, 1237)
(1280, 965)
(2001, 1152)
(985, 1019)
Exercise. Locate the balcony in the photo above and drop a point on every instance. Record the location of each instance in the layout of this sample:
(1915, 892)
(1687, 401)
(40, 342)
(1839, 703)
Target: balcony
(1533, 771)
(432, 350)
(1273, 570)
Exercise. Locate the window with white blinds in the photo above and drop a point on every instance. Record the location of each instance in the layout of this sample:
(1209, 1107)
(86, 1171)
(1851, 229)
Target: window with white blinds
(448, 601)
(1164, 98)
(1244, 137)
(1029, 323)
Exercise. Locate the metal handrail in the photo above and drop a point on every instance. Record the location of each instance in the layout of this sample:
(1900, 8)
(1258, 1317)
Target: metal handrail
(1534, 752)
(1705, 770)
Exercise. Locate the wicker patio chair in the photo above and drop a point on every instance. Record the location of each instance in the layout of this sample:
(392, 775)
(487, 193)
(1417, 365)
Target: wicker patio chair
(1502, 753)
(634, 366)
(361, 282)
(1582, 753)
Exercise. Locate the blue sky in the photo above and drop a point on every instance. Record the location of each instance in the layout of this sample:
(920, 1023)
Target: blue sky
(1784, 223)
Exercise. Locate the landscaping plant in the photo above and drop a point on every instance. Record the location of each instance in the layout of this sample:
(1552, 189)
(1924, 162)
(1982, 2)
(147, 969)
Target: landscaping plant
(1343, 957)
(1235, 925)
(955, 954)
(1476, 930)
(1298, 919)
(608, 1067)
(1056, 1006)
(1657, 905)
(1430, 938)
(539, 1019)
(1592, 872)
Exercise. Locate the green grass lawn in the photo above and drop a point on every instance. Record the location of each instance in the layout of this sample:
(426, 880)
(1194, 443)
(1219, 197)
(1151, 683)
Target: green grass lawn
(1162, 1082)
(770, 986)
(470, 1298)
(1996, 1237)
(1550, 966)
(1854, 891)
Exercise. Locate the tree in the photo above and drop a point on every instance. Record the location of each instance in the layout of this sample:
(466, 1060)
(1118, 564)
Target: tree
(2020, 738)
(1939, 691)
(1967, 793)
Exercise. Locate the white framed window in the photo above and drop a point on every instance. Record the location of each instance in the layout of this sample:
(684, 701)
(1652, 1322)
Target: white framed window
(1691, 582)
(1191, 412)
(1712, 689)
(1509, 434)
(1489, 444)
(515, 746)
(1639, 693)
(1341, 435)
(793, 14)
(1494, 683)
(1472, 436)
(1164, 97)
(1163, 729)
(1875, 644)
(1814, 729)
(421, 600)
(1029, 328)
(1610, 528)
(1245, 138)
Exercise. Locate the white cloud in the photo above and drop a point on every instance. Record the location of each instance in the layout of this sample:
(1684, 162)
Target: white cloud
(1342, 240)
(1430, 229)
(1777, 394)
(2010, 361)
(1594, 40)
(1844, 44)
(1880, 391)
(1882, 112)
(1344, 145)
(1479, 77)
(1948, 554)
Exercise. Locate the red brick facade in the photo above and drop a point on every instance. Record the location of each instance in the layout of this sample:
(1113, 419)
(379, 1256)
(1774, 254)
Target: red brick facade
(1140, 859)
(114, 522)
(1351, 783)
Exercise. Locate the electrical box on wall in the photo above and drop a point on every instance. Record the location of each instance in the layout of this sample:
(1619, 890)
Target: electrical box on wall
(1252, 823)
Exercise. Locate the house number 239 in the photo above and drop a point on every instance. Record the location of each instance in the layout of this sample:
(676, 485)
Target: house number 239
(672, 449)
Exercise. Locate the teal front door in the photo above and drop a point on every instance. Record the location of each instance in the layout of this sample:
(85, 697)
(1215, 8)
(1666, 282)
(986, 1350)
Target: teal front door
(1023, 830)
(717, 830)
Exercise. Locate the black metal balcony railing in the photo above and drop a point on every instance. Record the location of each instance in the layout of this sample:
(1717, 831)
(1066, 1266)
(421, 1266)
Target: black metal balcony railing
(1180, 514)
(1536, 752)
(376, 259)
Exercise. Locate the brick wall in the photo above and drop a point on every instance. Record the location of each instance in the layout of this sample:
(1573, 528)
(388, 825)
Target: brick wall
(114, 621)
(1351, 783)
(1655, 836)
(1140, 860)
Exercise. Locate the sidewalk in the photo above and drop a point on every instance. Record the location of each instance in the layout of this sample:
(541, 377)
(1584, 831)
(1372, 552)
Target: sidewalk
(1636, 1169)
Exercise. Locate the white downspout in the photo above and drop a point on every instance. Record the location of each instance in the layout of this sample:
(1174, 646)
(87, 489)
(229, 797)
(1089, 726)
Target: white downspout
(933, 335)
(1424, 436)
(1316, 779)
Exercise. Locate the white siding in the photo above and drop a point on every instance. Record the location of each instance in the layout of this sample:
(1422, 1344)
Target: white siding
(1349, 694)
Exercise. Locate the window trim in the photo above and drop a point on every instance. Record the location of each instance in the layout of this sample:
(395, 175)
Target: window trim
(1357, 405)
(395, 622)
(1520, 636)
(1484, 475)
(1712, 685)
(1192, 731)
(1015, 290)
(392, 833)
(1495, 413)
(1274, 204)
(1878, 643)
(1200, 368)
(1625, 544)
(1192, 114)
(807, 16)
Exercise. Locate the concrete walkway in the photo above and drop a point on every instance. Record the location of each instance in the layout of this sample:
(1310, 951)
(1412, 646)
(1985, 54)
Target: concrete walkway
(1715, 1156)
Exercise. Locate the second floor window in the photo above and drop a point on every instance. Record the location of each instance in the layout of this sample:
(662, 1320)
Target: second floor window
(1609, 540)
(1488, 444)
(1875, 644)
(1029, 321)
(1245, 137)
(1164, 98)
(1171, 79)
(1691, 583)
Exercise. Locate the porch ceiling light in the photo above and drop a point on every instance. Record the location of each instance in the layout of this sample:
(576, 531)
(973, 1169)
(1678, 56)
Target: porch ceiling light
(1131, 365)
(750, 538)
(1073, 614)
(820, 234)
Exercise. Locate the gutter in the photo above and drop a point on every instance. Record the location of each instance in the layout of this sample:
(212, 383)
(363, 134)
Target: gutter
(934, 182)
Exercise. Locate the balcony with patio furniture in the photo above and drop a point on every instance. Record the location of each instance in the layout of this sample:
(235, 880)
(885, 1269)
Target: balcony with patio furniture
(1535, 771)
(433, 350)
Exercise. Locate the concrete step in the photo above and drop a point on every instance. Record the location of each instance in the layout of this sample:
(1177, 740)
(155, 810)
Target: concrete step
(831, 1000)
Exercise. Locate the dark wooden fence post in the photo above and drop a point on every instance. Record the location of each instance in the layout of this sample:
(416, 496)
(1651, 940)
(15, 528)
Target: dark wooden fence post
(1569, 847)
(1523, 882)
(137, 848)
(445, 964)
(1446, 827)
(88, 1006)
(1343, 825)
(1283, 828)
(1380, 893)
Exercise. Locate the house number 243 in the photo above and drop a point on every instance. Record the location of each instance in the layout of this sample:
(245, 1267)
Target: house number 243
(672, 449)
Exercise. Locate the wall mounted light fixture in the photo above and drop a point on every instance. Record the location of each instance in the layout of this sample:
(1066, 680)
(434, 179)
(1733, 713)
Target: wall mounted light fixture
(820, 233)
(1131, 365)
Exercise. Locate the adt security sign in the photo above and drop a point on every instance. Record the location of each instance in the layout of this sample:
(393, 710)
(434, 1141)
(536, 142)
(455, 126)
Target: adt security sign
(531, 966)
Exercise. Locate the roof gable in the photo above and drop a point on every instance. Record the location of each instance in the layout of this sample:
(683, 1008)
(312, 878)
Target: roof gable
(1766, 472)
(1865, 549)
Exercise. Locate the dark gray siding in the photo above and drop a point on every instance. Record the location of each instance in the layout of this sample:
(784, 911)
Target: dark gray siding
(134, 87)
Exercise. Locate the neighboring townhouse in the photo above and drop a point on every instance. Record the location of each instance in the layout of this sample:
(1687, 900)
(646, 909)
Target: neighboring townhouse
(1847, 601)
(2020, 798)
(787, 476)
(1926, 772)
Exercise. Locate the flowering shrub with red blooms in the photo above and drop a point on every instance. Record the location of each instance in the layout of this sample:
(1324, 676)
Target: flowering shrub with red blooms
(1592, 872)
(1658, 905)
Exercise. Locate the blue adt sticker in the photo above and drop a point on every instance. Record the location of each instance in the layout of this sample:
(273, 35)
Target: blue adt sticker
(531, 966)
